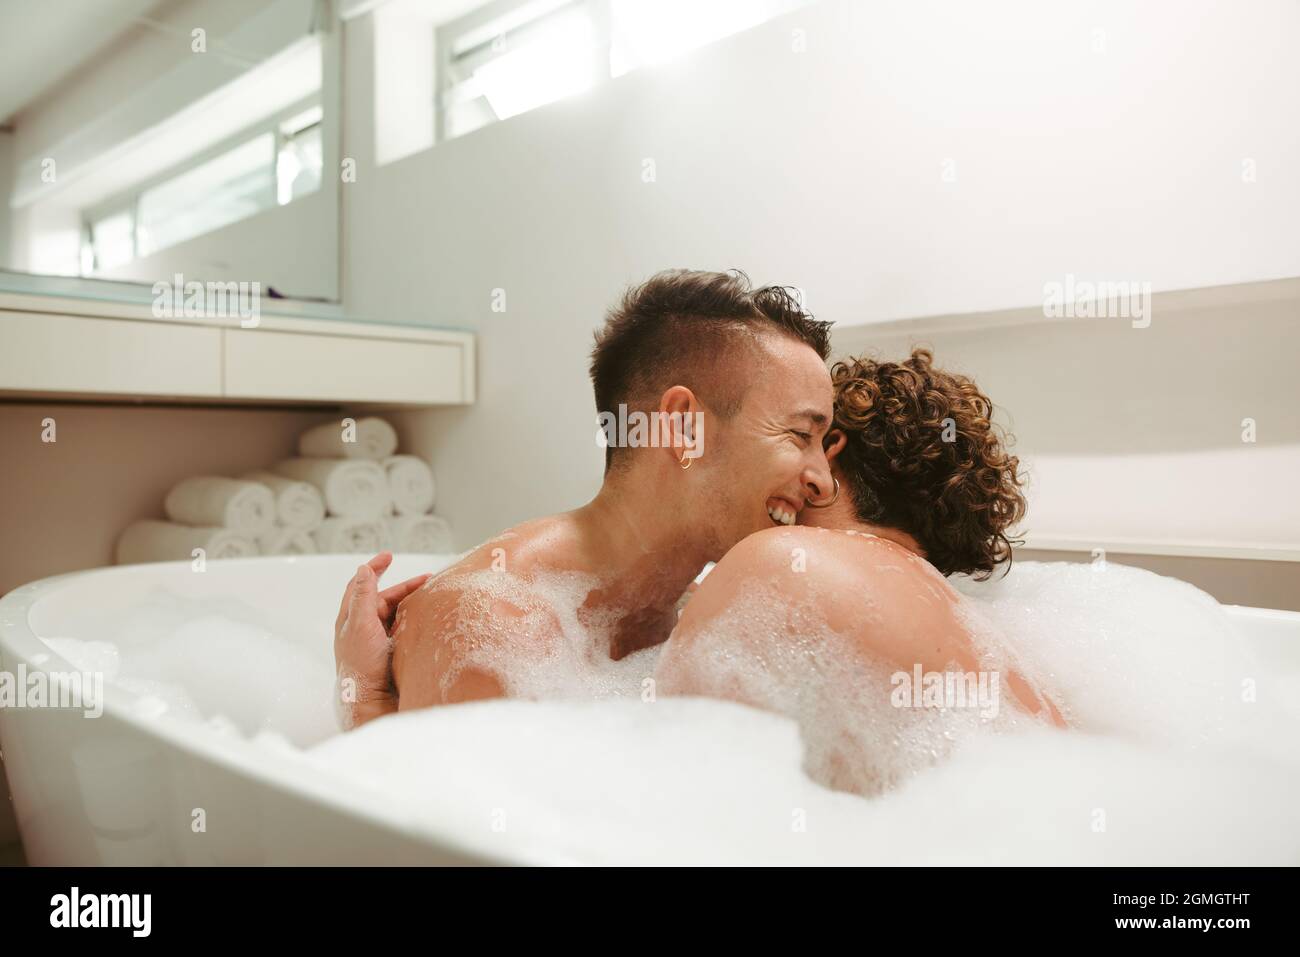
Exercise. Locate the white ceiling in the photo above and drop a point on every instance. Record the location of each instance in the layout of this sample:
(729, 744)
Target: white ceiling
(43, 41)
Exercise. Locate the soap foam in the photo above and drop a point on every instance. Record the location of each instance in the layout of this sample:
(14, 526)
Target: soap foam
(200, 659)
(1147, 670)
(696, 781)
(1118, 650)
(1168, 763)
(784, 658)
(1125, 651)
(553, 648)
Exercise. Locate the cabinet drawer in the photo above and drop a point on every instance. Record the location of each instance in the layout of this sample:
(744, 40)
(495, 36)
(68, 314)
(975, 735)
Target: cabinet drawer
(260, 364)
(52, 353)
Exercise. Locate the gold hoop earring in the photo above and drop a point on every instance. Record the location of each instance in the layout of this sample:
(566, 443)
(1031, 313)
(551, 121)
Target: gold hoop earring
(686, 462)
(833, 497)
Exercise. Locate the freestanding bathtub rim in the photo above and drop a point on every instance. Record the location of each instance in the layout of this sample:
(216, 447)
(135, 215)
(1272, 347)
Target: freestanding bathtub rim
(288, 770)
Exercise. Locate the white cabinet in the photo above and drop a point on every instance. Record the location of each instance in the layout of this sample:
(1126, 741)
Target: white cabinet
(260, 364)
(72, 354)
(83, 348)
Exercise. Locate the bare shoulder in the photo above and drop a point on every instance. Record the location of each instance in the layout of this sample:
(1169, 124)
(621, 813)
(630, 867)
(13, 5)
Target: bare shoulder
(859, 582)
(518, 552)
(776, 562)
(799, 559)
(518, 549)
(497, 573)
(485, 598)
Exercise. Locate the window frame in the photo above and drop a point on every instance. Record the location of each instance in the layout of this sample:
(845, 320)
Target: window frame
(451, 75)
(449, 87)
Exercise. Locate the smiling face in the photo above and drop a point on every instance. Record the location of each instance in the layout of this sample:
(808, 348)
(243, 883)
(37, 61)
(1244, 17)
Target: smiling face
(766, 461)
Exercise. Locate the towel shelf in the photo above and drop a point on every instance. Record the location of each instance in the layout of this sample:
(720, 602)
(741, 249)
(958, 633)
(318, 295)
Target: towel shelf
(86, 349)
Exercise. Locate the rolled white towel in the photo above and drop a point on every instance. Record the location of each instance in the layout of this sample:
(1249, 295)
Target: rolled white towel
(298, 504)
(283, 540)
(350, 536)
(351, 489)
(154, 541)
(426, 534)
(208, 500)
(373, 439)
(410, 484)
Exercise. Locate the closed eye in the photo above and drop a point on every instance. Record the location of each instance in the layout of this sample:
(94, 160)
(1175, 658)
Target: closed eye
(803, 436)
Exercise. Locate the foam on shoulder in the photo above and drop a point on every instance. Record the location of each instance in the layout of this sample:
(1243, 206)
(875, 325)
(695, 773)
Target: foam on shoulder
(859, 732)
(535, 635)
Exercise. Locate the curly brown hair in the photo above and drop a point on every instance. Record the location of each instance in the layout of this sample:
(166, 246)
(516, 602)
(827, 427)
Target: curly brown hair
(923, 455)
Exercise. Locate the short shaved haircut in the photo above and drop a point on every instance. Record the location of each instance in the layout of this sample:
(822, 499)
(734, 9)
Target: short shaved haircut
(683, 327)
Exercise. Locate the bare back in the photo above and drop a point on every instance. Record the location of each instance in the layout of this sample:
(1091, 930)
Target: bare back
(806, 621)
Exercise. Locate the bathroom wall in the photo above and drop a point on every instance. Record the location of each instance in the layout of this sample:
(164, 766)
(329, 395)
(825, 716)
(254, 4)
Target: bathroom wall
(916, 159)
(1135, 435)
(1143, 432)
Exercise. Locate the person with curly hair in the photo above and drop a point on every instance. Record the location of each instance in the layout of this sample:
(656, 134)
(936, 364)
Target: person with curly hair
(924, 487)
(924, 462)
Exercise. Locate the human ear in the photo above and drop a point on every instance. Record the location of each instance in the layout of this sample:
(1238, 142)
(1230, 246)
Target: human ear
(681, 425)
(834, 443)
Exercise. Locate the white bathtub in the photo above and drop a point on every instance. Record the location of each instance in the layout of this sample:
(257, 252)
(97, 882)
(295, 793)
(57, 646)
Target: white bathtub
(122, 788)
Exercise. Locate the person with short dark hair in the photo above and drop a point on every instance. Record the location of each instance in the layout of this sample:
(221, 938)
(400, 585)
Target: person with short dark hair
(713, 399)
